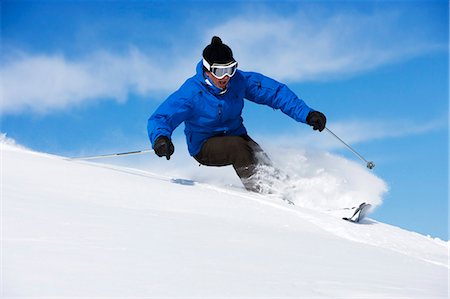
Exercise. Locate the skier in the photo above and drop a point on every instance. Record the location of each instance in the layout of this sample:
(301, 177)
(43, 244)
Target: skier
(210, 104)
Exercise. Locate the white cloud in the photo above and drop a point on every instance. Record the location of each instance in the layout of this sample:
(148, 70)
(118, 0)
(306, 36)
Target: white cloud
(305, 46)
(357, 131)
(360, 131)
(47, 82)
(302, 46)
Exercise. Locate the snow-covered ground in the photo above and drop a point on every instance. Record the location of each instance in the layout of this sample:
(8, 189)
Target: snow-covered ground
(79, 229)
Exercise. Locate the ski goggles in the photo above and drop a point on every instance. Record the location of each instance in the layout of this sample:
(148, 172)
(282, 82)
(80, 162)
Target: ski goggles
(221, 70)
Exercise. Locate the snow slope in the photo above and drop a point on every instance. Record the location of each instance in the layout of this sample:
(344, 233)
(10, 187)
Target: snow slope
(78, 229)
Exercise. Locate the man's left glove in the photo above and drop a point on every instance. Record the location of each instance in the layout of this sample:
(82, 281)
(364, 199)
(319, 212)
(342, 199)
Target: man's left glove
(317, 120)
(163, 147)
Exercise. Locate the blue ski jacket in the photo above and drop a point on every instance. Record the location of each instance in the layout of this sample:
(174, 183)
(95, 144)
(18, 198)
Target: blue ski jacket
(207, 113)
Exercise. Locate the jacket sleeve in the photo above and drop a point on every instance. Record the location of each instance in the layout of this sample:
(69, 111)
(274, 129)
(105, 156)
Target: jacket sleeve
(169, 115)
(264, 90)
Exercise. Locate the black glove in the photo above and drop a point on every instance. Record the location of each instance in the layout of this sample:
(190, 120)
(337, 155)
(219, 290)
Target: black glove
(317, 120)
(163, 147)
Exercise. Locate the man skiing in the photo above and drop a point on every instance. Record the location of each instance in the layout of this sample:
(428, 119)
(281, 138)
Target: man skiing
(210, 104)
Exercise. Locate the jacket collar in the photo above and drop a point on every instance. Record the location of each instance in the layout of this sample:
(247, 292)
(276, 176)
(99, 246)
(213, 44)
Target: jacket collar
(206, 82)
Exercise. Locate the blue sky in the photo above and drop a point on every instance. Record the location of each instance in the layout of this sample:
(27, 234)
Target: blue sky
(82, 77)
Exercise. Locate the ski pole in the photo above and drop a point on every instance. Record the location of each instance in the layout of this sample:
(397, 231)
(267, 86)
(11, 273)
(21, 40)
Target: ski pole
(370, 164)
(113, 155)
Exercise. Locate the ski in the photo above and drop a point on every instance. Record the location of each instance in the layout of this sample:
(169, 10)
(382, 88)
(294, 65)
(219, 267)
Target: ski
(360, 213)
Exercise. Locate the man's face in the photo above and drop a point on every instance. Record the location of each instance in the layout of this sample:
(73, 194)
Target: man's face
(221, 83)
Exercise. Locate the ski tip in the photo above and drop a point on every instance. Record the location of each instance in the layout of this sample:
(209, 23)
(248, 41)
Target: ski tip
(360, 213)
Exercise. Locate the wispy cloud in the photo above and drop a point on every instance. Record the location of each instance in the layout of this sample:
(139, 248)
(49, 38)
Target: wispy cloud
(302, 46)
(361, 131)
(310, 46)
(46, 82)
(358, 131)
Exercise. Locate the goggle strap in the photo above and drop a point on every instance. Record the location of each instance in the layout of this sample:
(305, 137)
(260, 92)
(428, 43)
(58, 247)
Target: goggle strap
(206, 64)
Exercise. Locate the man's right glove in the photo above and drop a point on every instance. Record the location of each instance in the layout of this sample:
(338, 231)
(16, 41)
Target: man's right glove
(163, 147)
(317, 120)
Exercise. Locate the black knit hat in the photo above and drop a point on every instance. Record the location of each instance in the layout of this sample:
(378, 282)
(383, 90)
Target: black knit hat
(217, 52)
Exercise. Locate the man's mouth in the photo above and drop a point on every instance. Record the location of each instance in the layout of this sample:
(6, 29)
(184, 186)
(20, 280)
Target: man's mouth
(223, 82)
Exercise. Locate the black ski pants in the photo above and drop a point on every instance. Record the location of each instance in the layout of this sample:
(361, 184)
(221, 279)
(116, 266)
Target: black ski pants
(242, 152)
